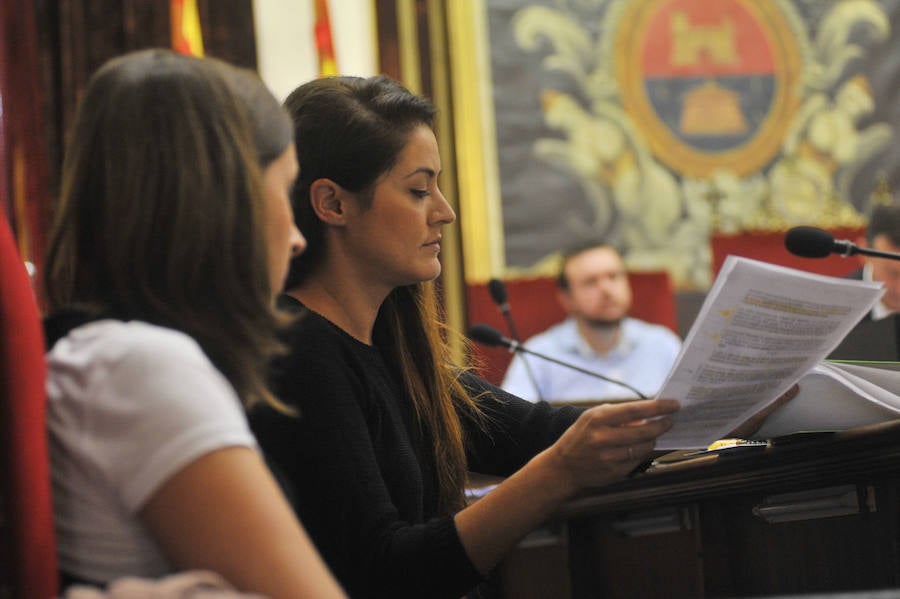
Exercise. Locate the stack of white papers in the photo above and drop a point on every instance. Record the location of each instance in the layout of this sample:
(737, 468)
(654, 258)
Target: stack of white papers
(837, 396)
(762, 328)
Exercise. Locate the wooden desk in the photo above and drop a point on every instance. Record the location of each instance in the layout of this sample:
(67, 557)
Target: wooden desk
(814, 516)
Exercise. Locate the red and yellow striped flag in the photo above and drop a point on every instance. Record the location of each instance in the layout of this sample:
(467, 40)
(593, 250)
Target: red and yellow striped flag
(187, 37)
(324, 40)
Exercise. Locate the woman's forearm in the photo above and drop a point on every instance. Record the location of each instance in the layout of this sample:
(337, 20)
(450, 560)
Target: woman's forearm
(493, 525)
(602, 446)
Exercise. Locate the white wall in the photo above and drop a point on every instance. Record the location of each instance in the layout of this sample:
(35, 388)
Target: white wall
(286, 53)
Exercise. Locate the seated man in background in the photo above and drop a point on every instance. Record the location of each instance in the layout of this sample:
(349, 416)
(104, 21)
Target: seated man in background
(597, 336)
(877, 335)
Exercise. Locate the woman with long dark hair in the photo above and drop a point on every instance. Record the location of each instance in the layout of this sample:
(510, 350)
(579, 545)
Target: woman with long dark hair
(389, 425)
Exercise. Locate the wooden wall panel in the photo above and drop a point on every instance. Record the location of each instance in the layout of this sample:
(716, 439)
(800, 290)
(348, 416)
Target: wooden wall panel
(23, 191)
(228, 31)
(75, 37)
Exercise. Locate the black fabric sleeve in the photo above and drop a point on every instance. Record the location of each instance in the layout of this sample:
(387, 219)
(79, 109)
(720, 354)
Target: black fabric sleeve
(514, 431)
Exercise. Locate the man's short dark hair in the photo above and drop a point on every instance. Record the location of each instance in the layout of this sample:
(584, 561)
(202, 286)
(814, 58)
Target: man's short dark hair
(576, 250)
(884, 220)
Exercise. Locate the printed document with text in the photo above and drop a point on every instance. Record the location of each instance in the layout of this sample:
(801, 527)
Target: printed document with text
(760, 329)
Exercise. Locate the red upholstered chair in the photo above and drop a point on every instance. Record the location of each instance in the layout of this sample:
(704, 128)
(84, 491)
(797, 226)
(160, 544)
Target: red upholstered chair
(769, 247)
(534, 307)
(27, 544)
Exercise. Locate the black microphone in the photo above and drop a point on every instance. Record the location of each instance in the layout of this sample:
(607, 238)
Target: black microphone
(497, 289)
(498, 293)
(488, 335)
(810, 242)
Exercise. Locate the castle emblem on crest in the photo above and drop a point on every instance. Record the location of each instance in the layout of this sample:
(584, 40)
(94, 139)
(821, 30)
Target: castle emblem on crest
(681, 118)
(710, 85)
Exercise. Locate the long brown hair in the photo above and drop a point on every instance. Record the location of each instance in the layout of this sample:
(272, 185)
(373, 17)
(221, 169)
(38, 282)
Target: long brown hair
(352, 130)
(160, 217)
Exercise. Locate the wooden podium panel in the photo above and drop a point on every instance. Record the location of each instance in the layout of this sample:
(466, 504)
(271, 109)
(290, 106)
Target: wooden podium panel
(613, 563)
(816, 553)
(817, 515)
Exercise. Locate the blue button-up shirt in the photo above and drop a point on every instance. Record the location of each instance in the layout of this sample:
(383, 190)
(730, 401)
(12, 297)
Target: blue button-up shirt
(642, 358)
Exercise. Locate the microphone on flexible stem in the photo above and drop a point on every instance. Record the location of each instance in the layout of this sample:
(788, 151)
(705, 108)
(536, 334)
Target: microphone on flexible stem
(497, 289)
(488, 335)
(498, 293)
(810, 242)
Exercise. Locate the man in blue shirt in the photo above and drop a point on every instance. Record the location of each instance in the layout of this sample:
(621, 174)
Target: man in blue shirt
(597, 336)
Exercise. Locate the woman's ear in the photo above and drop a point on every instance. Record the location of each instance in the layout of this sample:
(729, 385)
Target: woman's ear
(327, 200)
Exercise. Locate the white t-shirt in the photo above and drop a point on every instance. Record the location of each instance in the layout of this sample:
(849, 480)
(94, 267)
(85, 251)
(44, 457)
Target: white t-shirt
(130, 405)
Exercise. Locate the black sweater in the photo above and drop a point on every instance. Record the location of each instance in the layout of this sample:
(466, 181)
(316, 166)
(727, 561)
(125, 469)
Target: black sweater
(360, 477)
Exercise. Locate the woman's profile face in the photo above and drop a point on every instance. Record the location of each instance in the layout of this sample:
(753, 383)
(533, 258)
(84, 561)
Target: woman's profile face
(397, 239)
(284, 239)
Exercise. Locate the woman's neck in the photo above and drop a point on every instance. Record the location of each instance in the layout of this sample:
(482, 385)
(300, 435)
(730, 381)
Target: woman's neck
(353, 308)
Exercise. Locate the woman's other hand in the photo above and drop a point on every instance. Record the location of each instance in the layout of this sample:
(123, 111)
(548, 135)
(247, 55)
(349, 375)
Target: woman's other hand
(752, 424)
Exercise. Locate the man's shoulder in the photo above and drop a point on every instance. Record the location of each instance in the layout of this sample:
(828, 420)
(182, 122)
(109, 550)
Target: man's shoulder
(652, 330)
(561, 331)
